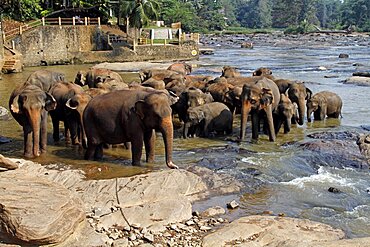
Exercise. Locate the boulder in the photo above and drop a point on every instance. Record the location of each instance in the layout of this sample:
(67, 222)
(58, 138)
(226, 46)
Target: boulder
(358, 80)
(272, 231)
(34, 210)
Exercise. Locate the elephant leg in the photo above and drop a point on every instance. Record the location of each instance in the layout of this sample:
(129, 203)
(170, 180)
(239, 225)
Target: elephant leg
(55, 129)
(137, 148)
(185, 132)
(67, 134)
(127, 145)
(149, 141)
(323, 113)
(28, 143)
(255, 125)
(44, 132)
(98, 155)
(89, 154)
(270, 122)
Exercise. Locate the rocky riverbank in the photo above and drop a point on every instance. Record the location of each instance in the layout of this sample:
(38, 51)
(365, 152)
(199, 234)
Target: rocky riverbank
(43, 205)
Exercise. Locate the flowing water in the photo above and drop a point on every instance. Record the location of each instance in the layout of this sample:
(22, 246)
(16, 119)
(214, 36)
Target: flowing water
(279, 178)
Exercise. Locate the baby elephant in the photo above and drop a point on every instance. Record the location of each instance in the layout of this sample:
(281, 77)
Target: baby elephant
(323, 104)
(285, 113)
(208, 118)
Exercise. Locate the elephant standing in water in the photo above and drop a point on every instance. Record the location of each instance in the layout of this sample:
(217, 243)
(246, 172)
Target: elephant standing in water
(129, 116)
(29, 105)
(285, 113)
(260, 99)
(324, 104)
(45, 79)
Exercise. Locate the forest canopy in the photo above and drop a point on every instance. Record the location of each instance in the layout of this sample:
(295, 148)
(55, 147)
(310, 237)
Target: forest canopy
(212, 15)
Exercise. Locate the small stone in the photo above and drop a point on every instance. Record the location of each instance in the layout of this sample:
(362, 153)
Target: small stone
(98, 212)
(109, 242)
(114, 235)
(334, 190)
(322, 68)
(220, 220)
(149, 237)
(196, 213)
(205, 228)
(190, 223)
(281, 215)
(233, 204)
(132, 236)
(173, 227)
(122, 242)
(136, 225)
(144, 230)
(268, 212)
(127, 228)
(343, 55)
(213, 211)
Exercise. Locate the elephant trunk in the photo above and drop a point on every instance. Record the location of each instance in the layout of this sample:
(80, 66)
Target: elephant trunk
(270, 121)
(167, 132)
(246, 108)
(309, 112)
(287, 125)
(35, 119)
(301, 111)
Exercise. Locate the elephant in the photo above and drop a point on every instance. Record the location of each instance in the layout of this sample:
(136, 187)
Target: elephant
(71, 102)
(260, 99)
(262, 71)
(45, 79)
(324, 104)
(153, 83)
(129, 116)
(210, 117)
(160, 74)
(181, 68)
(190, 98)
(94, 76)
(230, 72)
(285, 113)
(298, 93)
(28, 105)
(198, 81)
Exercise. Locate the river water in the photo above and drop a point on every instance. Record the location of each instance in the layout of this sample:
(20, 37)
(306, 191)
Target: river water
(278, 178)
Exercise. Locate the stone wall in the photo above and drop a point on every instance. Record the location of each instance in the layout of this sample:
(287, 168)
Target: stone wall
(49, 45)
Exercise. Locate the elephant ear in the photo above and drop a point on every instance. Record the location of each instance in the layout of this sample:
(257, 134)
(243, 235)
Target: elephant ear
(50, 102)
(14, 107)
(140, 107)
(267, 98)
(72, 104)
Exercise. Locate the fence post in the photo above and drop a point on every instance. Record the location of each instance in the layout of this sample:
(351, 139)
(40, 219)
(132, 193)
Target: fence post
(73, 21)
(99, 22)
(165, 42)
(20, 30)
(13, 44)
(43, 21)
(60, 21)
(85, 21)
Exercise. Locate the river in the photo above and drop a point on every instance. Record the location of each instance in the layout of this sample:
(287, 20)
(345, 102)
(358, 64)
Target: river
(278, 178)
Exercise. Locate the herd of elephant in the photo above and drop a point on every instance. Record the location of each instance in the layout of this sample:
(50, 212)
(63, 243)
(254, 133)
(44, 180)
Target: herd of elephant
(110, 111)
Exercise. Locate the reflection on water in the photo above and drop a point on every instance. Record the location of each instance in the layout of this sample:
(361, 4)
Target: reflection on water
(277, 177)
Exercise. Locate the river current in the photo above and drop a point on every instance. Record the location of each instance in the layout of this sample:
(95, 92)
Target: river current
(278, 178)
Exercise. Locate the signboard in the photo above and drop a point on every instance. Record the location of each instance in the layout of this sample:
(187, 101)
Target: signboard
(160, 34)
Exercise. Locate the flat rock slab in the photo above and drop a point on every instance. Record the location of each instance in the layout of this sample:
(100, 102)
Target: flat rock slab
(271, 231)
(358, 80)
(35, 210)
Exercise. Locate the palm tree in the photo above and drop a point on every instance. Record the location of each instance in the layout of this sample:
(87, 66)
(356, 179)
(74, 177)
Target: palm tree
(139, 12)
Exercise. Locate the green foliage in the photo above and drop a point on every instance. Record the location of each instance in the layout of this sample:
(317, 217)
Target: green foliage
(303, 27)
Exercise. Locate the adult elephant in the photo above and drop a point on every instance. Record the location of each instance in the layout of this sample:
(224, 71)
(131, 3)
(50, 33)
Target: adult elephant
(95, 76)
(298, 93)
(45, 79)
(181, 68)
(230, 72)
(129, 116)
(324, 104)
(29, 105)
(259, 99)
(71, 102)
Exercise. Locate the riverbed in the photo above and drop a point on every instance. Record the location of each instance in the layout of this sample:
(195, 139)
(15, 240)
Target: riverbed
(280, 177)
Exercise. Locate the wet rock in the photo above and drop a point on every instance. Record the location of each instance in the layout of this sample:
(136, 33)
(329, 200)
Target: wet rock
(4, 114)
(338, 135)
(332, 152)
(334, 190)
(343, 55)
(233, 204)
(358, 80)
(248, 45)
(272, 231)
(213, 211)
(363, 143)
(37, 211)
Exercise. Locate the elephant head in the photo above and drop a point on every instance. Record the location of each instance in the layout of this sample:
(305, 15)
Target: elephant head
(28, 105)
(78, 103)
(298, 93)
(253, 100)
(262, 71)
(80, 78)
(155, 113)
(181, 68)
(230, 72)
(285, 112)
(314, 104)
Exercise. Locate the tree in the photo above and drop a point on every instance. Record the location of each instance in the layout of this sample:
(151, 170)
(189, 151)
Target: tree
(355, 13)
(177, 11)
(139, 12)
